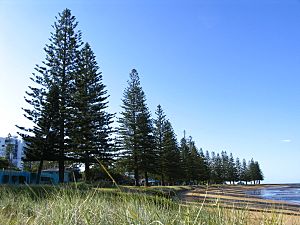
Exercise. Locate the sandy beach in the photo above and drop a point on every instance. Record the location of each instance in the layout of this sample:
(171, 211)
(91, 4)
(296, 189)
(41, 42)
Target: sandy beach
(237, 197)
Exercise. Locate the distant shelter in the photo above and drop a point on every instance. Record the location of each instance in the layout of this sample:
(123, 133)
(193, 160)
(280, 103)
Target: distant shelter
(49, 176)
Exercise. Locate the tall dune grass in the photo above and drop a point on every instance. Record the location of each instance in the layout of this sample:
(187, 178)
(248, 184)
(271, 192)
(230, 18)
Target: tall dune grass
(73, 206)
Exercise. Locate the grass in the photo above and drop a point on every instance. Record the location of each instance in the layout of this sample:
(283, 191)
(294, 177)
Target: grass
(66, 205)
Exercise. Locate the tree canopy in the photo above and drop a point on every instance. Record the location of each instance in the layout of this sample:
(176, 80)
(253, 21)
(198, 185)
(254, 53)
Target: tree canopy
(68, 108)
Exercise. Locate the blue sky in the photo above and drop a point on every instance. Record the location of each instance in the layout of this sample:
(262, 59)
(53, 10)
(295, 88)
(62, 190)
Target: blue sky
(227, 72)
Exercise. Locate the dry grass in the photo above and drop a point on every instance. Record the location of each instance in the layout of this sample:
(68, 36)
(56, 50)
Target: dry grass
(67, 205)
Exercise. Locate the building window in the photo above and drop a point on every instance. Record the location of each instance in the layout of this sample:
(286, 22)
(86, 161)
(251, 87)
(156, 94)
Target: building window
(5, 179)
(22, 180)
(14, 179)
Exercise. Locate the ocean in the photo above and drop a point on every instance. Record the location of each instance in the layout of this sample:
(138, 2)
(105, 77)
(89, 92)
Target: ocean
(287, 193)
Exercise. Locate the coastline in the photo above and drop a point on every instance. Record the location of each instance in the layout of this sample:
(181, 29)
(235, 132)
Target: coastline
(236, 197)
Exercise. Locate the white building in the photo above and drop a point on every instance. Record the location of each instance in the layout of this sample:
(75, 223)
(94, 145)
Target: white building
(18, 150)
(2, 147)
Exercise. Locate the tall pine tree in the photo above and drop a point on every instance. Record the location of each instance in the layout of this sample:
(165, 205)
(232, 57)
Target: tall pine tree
(170, 155)
(185, 160)
(136, 130)
(90, 128)
(232, 169)
(59, 70)
(204, 167)
(159, 130)
(62, 55)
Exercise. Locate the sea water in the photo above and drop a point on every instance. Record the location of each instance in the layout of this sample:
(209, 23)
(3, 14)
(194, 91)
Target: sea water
(288, 194)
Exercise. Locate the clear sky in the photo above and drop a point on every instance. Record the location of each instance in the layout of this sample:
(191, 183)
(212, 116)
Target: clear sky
(226, 71)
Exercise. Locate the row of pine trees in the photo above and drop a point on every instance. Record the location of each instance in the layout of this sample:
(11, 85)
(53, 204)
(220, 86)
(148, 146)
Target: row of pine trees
(70, 122)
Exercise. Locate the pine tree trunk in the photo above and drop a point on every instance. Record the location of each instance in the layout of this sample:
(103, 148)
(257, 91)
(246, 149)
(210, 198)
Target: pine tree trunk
(61, 161)
(136, 171)
(61, 169)
(87, 169)
(162, 180)
(136, 177)
(146, 179)
(38, 177)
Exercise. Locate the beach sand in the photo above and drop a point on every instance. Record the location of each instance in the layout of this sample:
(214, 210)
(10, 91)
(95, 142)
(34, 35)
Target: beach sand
(236, 197)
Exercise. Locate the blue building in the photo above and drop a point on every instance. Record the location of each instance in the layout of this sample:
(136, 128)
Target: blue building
(14, 177)
(21, 177)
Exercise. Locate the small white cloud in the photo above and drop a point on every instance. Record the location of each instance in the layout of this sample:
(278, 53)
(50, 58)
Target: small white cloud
(286, 140)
